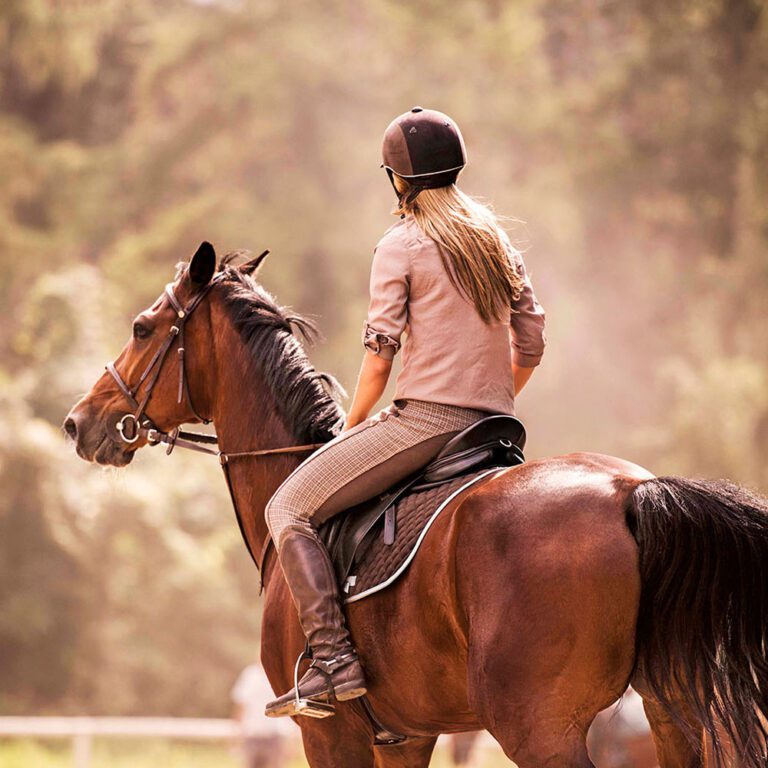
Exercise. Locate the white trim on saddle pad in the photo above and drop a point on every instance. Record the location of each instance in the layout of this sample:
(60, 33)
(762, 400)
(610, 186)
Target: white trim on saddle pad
(399, 572)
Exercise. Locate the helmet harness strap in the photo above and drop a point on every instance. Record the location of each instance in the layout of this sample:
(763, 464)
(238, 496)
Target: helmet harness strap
(403, 198)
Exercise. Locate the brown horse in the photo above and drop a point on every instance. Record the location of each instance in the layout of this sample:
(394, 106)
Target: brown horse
(537, 596)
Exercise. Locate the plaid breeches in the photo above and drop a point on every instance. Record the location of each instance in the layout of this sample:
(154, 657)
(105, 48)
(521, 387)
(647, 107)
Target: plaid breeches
(396, 428)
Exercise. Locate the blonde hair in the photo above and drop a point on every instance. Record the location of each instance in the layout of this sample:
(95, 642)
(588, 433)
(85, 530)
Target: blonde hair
(475, 252)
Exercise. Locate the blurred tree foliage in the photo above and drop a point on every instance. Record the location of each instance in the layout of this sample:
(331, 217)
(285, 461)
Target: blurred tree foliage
(632, 137)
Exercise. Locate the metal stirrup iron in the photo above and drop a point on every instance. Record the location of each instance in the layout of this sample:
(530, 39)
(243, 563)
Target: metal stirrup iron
(309, 707)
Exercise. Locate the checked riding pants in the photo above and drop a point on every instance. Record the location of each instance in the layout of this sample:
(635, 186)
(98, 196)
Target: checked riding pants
(365, 461)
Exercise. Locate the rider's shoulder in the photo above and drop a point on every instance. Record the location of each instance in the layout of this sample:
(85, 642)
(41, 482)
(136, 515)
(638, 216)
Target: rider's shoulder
(403, 234)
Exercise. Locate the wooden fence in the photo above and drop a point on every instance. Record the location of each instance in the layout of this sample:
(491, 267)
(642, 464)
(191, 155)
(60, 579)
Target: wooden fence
(82, 730)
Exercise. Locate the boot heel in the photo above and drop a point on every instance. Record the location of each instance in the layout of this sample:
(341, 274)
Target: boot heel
(354, 693)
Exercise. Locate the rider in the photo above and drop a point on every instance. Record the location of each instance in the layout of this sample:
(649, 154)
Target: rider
(447, 276)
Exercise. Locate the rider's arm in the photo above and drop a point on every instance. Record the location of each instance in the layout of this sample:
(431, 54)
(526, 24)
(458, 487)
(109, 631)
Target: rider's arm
(384, 325)
(520, 376)
(527, 334)
(374, 374)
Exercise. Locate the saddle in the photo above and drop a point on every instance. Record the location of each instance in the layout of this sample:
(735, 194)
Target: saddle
(370, 532)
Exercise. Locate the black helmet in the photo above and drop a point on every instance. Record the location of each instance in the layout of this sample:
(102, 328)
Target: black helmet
(425, 147)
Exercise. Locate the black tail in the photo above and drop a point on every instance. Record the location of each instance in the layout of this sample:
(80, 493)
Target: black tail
(703, 624)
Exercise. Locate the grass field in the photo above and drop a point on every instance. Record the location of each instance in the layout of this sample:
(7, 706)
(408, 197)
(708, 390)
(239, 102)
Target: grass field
(159, 753)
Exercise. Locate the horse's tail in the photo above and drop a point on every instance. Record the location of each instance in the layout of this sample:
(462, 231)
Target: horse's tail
(702, 633)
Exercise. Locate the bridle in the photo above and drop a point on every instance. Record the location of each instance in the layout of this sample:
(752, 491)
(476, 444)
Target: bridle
(134, 425)
(137, 424)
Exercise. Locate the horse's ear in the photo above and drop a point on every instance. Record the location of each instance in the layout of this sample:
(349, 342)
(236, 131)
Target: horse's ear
(251, 266)
(203, 264)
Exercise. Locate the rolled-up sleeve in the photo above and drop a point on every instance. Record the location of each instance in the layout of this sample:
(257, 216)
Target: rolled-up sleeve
(388, 307)
(527, 320)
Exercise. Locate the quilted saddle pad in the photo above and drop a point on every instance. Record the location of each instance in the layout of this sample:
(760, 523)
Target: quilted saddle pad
(380, 565)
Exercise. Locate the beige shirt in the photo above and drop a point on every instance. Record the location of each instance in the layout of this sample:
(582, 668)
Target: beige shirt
(449, 354)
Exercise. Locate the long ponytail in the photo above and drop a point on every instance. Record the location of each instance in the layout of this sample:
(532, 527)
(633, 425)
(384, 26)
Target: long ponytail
(475, 252)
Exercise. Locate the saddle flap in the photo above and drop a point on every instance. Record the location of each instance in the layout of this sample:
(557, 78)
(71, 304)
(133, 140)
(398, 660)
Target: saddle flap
(347, 536)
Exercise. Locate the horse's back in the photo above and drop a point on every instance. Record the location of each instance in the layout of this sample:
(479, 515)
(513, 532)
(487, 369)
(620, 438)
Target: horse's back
(547, 494)
(549, 519)
(524, 522)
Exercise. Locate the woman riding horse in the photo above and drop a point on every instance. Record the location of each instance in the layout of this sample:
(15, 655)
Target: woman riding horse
(446, 276)
(538, 595)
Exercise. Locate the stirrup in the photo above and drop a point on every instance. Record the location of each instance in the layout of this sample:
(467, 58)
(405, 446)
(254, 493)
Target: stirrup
(309, 707)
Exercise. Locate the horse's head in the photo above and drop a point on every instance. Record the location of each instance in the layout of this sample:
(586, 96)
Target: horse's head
(158, 381)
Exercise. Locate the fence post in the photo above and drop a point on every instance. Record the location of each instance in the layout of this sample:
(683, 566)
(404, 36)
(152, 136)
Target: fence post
(81, 750)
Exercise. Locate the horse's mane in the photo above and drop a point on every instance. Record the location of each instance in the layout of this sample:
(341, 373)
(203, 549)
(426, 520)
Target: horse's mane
(308, 399)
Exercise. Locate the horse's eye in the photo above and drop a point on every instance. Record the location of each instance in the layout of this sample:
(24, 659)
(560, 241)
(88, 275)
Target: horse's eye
(141, 332)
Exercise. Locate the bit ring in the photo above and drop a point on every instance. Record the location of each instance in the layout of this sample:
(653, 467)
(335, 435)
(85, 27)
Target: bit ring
(121, 428)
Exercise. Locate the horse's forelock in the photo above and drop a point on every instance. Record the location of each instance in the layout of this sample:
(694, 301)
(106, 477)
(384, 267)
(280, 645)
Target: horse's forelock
(228, 258)
(181, 268)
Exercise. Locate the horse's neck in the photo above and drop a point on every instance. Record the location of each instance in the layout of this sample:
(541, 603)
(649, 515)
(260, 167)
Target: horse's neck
(247, 419)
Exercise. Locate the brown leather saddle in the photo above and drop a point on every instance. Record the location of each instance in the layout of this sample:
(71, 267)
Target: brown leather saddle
(495, 441)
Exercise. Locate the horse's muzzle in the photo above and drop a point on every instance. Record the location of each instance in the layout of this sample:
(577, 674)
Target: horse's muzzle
(92, 440)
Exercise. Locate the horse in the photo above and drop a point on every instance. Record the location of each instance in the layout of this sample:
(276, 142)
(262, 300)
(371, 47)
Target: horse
(537, 596)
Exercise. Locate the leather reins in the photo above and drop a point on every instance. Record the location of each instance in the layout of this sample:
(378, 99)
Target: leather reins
(135, 425)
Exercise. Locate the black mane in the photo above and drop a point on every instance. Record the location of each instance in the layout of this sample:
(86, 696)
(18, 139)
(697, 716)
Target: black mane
(307, 399)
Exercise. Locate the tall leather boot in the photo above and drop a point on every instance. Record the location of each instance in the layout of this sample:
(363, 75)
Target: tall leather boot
(312, 581)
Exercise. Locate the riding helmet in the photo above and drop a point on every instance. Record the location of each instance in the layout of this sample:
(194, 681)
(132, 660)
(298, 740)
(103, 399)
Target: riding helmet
(425, 147)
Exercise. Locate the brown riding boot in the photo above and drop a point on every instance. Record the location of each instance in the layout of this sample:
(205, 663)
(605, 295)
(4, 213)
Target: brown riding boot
(335, 667)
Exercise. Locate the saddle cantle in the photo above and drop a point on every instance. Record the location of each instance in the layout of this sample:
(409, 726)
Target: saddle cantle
(494, 438)
(364, 536)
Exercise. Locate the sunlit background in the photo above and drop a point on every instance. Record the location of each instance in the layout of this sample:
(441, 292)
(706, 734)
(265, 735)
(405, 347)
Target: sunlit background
(626, 140)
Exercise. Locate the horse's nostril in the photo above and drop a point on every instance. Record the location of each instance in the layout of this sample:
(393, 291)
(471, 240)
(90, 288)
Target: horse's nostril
(70, 427)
